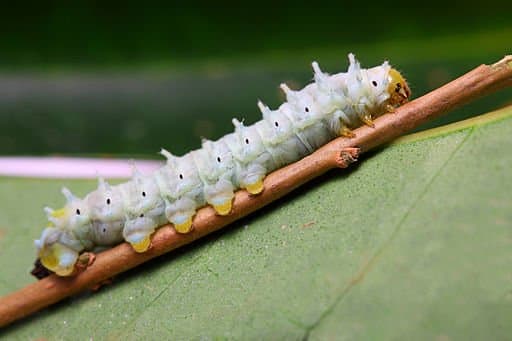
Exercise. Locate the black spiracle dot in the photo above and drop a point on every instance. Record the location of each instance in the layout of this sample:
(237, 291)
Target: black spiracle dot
(276, 124)
(246, 141)
(143, 194)
(218, 159)
(374, 83)
(104, 230)
(181, 176)
(108, 201)
(142, 215)
(306, 109)
(77, 211)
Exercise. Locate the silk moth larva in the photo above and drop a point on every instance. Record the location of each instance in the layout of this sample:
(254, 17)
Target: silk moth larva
(329, 107)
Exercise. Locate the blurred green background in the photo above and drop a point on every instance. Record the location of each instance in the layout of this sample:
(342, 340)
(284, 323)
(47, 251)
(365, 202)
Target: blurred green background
(132, 78)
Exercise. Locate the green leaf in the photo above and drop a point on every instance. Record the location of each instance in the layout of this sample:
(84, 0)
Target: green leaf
(413, 243)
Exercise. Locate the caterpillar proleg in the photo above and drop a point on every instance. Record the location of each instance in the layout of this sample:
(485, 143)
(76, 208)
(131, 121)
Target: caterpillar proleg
(329, 107)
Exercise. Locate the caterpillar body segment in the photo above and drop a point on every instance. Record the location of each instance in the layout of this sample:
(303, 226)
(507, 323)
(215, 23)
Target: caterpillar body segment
(329, 107)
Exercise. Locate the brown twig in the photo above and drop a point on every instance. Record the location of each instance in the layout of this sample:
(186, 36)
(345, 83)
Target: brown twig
(481, 81)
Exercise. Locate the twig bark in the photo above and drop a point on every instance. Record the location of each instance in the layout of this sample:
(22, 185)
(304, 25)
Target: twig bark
(479, 82)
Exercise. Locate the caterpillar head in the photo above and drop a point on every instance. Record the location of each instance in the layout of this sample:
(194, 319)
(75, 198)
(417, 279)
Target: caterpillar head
(58, 250)
(397, 89)
(74, 214)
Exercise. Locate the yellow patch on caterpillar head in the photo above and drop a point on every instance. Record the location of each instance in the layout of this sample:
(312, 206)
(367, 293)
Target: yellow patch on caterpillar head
(398, 89)
(143, 245)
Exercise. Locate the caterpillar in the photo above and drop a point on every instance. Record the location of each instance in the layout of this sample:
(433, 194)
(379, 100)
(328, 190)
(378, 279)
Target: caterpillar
(329, 107)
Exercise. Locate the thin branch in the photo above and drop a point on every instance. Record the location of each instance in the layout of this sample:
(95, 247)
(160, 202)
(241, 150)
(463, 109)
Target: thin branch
(479, 82)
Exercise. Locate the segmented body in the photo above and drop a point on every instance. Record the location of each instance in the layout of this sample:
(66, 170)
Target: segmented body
(329, 107)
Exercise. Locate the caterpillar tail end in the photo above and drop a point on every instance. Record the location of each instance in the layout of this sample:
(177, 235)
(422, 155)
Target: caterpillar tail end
(184, 227)
(255, 188)
(59, 259)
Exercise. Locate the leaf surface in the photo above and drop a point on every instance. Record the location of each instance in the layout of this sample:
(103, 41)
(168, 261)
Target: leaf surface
(415, 242)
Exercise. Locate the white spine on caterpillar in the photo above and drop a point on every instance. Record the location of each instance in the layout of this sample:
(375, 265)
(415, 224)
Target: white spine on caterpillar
(330, 107)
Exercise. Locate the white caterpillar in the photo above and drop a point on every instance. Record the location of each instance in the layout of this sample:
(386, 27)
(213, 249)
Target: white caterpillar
(329, 107)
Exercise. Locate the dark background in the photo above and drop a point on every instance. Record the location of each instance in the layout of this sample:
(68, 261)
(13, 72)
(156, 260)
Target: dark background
(130, 78)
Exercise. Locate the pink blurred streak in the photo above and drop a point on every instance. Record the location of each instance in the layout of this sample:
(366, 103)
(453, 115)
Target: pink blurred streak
(73, 168)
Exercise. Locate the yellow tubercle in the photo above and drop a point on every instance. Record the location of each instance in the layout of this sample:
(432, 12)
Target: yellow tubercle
(59, 213)
(255, 188)
(143, 245)
(224, 208)
(49, 260)
(52, 256)
(186, 227)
